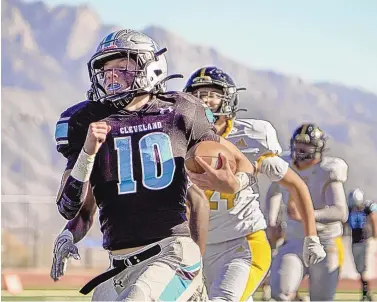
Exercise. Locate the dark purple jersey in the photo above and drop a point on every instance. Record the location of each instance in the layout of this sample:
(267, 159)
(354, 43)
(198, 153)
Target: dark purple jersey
(138, 179)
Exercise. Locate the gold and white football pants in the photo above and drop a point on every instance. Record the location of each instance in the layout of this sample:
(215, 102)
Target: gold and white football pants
(234, 269)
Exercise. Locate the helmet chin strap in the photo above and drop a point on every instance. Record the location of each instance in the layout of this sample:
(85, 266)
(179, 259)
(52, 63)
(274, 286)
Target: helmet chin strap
(121, 102)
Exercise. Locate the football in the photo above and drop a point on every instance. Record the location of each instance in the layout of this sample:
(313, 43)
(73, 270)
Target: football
(209, 152)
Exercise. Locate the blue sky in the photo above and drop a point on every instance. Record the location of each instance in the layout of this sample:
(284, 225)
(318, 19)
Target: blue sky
(321, 40)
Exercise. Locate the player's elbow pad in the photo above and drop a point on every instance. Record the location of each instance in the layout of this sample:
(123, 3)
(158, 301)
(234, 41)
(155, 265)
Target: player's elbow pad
(69, 202)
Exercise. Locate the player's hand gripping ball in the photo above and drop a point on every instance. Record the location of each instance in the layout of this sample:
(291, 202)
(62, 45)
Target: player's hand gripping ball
(209, 152)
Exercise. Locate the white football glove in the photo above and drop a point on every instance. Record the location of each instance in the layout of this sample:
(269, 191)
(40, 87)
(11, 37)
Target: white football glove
(64, 249)
(313, 251)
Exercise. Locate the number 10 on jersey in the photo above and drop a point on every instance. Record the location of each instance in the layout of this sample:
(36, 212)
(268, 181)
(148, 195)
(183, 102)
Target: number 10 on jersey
(154, 148)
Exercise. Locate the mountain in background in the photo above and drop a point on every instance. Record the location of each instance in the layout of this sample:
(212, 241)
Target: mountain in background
(44, 70)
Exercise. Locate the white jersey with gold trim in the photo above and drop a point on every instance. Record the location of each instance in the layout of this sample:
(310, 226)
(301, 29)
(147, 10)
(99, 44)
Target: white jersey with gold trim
(254, 137)
(234, 216)
(317, 178)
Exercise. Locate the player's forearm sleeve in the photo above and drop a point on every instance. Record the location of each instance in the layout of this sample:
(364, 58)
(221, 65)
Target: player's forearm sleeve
(75, 188)
(80, 225)
(69, 202)
(336, 209)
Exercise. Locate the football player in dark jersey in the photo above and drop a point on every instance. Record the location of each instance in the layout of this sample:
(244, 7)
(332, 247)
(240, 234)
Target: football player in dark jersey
(125, 150)
(361, 213)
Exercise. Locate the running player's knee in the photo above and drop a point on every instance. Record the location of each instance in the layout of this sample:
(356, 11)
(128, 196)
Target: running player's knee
(360, 266)
(281, 290)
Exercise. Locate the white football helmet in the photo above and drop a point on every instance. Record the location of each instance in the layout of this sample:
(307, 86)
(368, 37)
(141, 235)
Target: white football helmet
(356, 198)
(149, 75)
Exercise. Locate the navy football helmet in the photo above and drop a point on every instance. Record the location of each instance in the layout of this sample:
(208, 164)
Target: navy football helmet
(212, 76)
(310, 135)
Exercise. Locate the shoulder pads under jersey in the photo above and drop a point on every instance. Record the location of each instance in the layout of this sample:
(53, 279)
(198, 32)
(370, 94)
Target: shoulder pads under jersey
(72, 126)
(262, 129)
(336, 168)
(273, 166)
(191, 103)
(177, 96)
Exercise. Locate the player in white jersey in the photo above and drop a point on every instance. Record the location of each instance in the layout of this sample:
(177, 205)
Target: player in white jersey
(238, 255)
(325, 177)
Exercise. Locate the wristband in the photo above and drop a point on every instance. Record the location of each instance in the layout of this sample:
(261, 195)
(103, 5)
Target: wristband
(83, 166)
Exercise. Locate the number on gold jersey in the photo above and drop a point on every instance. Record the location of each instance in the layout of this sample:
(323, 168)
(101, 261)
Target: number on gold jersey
(220, 201)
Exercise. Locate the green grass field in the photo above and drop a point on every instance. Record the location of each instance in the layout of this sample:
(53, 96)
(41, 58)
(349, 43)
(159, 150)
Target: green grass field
(74, 295)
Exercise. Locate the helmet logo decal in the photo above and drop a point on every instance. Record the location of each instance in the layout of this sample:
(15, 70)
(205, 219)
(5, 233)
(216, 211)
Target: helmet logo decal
(109, 47)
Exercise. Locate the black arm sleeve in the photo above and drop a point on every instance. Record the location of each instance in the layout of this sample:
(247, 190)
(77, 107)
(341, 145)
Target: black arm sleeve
(70, 133)
(70, 202)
